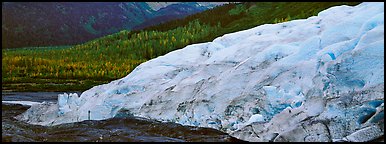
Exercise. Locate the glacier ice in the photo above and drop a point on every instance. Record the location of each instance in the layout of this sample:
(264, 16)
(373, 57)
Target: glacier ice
(27, 103)
(315, 79)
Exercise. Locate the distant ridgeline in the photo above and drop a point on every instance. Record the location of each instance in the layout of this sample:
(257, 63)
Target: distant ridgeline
(26, 24)
(114, 56)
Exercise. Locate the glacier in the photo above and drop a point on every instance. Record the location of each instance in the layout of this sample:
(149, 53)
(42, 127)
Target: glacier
(314, 79)
(24, 103)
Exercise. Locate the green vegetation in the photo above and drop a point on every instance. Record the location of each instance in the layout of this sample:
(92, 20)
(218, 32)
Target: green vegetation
(237, 10)
(114, 56)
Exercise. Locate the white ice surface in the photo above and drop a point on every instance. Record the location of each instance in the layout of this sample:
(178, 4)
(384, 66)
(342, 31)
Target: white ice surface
(27, 103)
(246, 76)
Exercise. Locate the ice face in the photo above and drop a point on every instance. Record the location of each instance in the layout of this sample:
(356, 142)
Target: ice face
(272, 80)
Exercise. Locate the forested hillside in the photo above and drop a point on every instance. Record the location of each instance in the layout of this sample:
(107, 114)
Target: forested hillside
(114, 56)
(26, 24)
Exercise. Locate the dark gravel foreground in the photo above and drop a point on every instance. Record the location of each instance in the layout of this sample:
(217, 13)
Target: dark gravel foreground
(128, 129)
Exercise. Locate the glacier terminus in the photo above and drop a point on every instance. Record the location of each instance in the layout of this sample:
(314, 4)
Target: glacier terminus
(314, 79)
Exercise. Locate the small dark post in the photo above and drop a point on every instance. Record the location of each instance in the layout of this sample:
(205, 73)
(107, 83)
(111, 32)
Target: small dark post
(89, 114)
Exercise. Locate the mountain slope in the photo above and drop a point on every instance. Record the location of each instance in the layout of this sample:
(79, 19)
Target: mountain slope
(27, 24)
(317, 79)
(118, 54)
(158, 5)
(172, 12)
